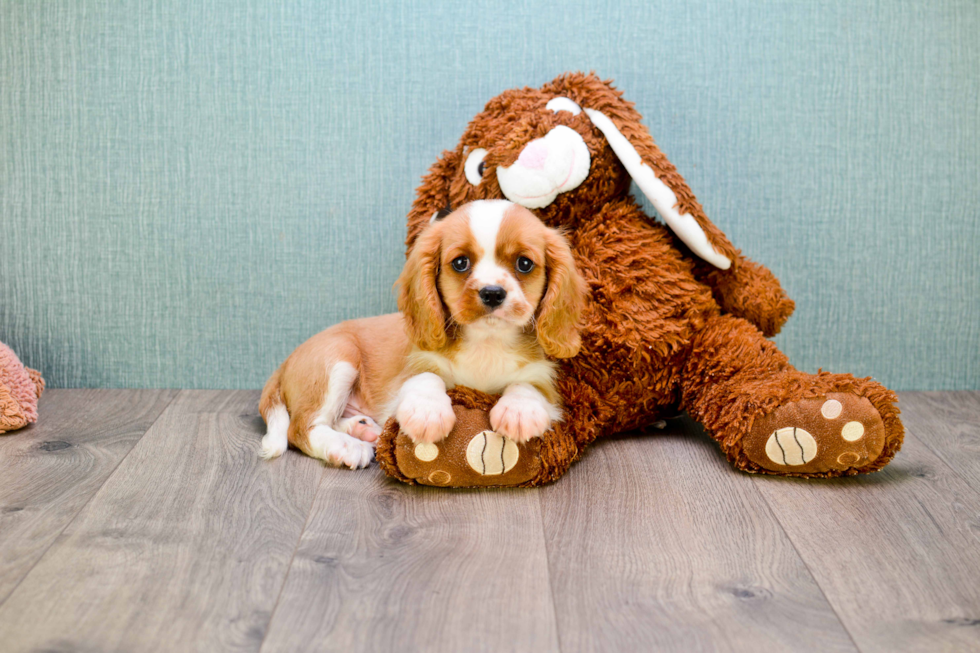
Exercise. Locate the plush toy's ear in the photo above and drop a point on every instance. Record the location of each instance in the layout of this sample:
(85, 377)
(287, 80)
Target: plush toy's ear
(655, 176)
(433, 195)
(418, 297)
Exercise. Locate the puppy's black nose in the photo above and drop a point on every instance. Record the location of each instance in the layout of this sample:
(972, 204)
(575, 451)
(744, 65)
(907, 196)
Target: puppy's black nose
(492, 296)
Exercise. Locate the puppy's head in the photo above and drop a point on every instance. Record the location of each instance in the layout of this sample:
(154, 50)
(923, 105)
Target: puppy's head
(494, 264)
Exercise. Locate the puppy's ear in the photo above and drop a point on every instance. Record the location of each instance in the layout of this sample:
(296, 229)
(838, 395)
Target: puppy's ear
(651, 171)
(560, 311)
(418, 296)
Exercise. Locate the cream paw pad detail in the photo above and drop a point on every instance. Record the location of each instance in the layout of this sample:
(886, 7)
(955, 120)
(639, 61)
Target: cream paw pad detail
(840, 431)
(487, 454)
(472, 455)
(491, 454)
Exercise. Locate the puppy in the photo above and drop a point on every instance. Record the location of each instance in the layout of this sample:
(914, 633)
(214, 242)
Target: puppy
(487, 295)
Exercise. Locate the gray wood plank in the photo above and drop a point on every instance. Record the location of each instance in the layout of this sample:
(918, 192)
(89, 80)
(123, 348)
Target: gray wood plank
(384, 566)
(184, 548)
(655, 543)
(49, 471)
(949, 424)
(897, 553)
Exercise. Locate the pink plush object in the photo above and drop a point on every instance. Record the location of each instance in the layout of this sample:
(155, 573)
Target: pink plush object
(20, 388)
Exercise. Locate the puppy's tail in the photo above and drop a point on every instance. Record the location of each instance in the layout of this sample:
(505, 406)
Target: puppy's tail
(273, 411)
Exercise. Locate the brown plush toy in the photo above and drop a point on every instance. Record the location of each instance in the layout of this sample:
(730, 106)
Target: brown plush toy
(20, 388)
(678, 319)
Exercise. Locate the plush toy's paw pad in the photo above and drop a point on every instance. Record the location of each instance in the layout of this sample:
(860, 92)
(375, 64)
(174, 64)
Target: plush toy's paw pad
(473, 455)
(838, 432)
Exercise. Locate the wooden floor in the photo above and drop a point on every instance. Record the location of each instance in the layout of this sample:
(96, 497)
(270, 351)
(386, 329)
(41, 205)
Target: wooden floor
(140, 520)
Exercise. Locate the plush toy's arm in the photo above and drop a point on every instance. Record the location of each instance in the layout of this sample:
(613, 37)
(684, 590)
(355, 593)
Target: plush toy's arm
(750, 291)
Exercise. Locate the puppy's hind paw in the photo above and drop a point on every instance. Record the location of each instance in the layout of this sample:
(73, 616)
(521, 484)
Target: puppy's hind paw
(273, 446)
(339, 449)
(358, 454)
(361, 427)
(354, 455)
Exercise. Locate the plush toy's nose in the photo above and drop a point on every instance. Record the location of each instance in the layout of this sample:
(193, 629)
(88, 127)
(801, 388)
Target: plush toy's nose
(534, 155)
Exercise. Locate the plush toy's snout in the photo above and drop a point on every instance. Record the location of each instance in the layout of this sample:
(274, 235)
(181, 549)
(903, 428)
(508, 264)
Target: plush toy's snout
(547, 166)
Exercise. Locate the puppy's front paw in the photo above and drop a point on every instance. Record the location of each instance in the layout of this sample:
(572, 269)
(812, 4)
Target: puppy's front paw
(519, 417)
(426, 417)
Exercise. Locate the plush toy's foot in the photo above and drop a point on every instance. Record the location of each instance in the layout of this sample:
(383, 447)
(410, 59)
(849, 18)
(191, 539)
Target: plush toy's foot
(472, 455)
(770, 418)
(835, 433)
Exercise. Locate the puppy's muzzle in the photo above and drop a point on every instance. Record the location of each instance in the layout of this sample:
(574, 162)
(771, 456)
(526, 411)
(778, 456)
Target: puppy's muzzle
(492, 296)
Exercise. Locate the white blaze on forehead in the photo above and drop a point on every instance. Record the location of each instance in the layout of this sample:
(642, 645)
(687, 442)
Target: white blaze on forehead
(485, 219)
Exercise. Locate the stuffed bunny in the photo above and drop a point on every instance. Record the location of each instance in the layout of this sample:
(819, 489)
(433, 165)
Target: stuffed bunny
(20, 388)
(677, 319)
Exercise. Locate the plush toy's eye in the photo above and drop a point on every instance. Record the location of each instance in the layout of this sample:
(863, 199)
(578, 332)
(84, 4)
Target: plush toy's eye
(474, 166)
(524, 264)
(461, 264)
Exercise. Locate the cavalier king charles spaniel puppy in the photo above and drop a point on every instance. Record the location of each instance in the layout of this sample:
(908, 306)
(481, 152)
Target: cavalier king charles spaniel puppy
(488, 296)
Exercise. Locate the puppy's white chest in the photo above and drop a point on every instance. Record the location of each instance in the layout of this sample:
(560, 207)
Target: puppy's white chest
(487, 365)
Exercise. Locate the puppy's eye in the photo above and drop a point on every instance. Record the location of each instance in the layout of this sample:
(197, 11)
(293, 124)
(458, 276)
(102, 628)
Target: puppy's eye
(461, 264)
(474, 166)
(524, 264)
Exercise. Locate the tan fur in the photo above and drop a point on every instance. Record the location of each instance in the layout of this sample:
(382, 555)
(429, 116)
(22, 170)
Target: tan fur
(376, 347)
(419, 299)
(559, 312)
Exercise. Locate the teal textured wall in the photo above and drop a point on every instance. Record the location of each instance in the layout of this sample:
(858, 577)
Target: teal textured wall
(188, 190)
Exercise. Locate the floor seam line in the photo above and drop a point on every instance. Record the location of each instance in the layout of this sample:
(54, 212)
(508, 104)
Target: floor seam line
(806, 565)
(292, 559)
(547, 560)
